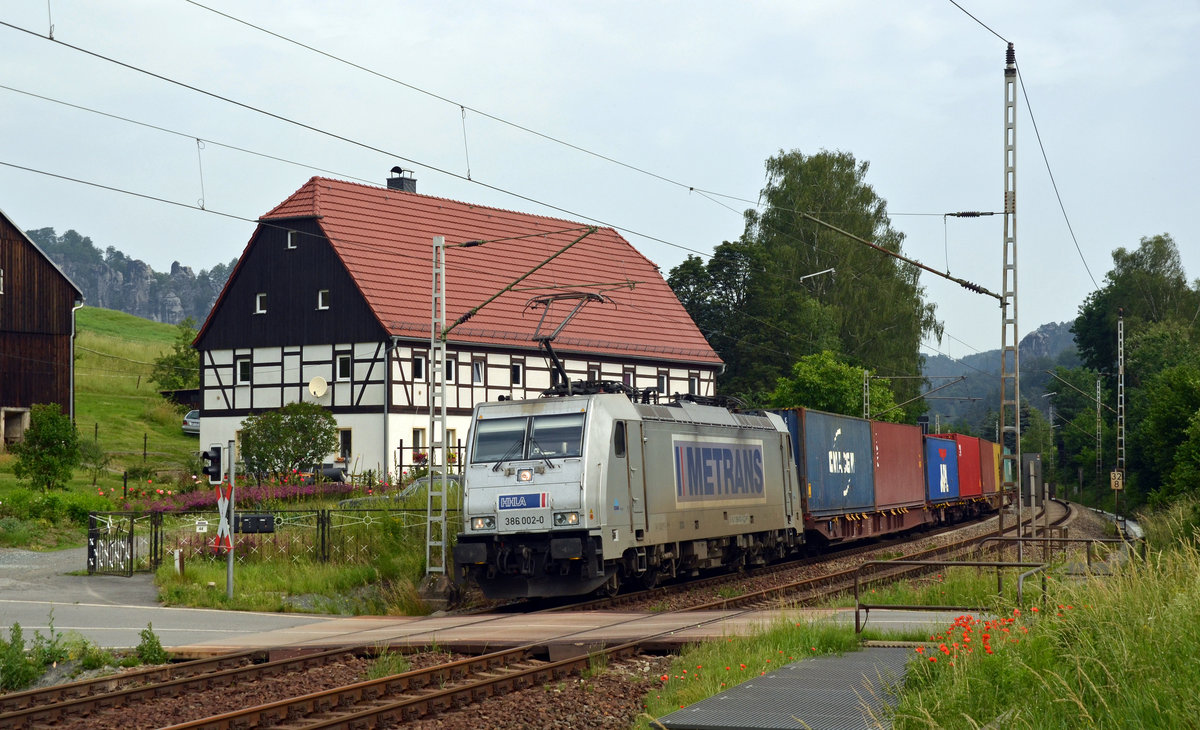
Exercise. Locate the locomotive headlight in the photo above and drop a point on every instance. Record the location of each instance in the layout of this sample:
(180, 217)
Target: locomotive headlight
(483, 523)
(563, 519)
(524, 475)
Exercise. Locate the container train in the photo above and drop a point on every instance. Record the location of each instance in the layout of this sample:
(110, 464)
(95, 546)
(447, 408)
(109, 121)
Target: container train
(582, 493)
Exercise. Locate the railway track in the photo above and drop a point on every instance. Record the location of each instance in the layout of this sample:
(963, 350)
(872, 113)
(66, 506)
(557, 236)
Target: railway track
(413, 694)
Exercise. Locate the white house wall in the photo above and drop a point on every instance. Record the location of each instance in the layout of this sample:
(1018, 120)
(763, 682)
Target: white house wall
(281, 375)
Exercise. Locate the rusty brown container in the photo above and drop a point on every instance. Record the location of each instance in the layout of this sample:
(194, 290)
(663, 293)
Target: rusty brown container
(987, 466)
(899, 467)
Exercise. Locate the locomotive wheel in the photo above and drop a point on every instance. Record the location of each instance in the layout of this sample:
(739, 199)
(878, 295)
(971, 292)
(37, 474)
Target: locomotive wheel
(649, 579)
(612, 586)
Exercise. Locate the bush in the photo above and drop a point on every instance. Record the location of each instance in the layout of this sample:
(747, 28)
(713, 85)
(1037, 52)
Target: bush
(49, 452)
(288, 440)
(150, 650)
(17, 669)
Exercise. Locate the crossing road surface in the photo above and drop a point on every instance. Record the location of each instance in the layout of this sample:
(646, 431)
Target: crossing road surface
(111, 610)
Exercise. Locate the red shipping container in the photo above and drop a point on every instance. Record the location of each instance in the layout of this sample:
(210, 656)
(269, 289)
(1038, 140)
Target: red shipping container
(899, 471)
(970, 476)
(987, 465)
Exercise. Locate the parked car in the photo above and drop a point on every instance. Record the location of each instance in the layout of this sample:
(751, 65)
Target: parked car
(191, 423)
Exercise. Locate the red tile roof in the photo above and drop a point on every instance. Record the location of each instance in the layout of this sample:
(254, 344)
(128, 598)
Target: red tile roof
(385, 236)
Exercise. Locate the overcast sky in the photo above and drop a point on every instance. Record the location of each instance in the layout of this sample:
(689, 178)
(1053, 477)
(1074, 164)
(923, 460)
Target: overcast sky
(698, 93)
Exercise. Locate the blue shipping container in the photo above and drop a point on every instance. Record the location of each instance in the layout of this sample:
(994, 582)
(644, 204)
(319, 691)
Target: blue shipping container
(941, 469)
(839, 468)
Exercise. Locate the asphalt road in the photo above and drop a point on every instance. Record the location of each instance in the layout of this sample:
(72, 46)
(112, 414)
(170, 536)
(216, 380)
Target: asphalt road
(111, 611)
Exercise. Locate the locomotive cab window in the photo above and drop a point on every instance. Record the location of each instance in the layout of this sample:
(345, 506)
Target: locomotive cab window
(619, 439)
(557, 436)
(542, 437)
(499, 438)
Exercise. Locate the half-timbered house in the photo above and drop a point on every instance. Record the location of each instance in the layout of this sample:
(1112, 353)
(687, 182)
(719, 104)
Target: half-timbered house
(331, 302)
(37, 332)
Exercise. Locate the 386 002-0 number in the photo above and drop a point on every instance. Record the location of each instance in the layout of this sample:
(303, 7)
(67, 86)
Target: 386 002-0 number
(525, 520)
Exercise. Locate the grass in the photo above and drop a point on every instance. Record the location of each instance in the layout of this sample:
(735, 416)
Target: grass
(1113, 652)
(703, 670)
(117, 406)
(1107, 651)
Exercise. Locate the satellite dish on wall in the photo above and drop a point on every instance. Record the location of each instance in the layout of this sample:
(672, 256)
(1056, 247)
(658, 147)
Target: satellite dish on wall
(317, 386)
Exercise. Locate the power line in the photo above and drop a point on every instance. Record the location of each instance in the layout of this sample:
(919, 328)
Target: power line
(1042, 147)
(1050, 172)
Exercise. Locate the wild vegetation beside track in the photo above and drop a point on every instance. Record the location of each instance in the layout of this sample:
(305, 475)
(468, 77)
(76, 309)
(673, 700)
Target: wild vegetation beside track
(1111, 651)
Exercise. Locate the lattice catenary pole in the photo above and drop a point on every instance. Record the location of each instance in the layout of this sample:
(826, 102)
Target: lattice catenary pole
(1010, 362)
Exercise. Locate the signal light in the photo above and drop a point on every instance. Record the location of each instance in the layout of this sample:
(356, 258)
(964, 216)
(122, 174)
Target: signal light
(212, 464)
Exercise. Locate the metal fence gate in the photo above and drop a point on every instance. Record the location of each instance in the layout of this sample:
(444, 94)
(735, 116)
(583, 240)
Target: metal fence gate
(110, 543)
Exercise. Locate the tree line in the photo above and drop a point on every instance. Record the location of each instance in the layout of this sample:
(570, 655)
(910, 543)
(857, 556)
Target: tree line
(801, 314)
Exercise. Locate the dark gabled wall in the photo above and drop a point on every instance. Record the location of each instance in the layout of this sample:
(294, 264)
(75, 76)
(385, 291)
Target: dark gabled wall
(35, 325)
(291, 279)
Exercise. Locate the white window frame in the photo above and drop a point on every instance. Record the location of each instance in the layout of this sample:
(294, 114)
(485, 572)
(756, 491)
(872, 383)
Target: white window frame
(663, 383)
(293, 238)
(260, 303)
(516, 371)
(322, 299)
(451, 369)
(338, 361)
(248, 377)
(694, 384)
(478, 372)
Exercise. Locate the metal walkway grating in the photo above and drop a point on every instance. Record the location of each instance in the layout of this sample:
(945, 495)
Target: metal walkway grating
(848, 692)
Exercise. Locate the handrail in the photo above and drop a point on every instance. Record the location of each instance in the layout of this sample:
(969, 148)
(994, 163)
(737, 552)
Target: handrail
(860, 606)
(1141, 541)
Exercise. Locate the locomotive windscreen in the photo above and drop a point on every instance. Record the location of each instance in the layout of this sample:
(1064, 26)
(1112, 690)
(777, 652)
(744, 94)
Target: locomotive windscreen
(550, 436)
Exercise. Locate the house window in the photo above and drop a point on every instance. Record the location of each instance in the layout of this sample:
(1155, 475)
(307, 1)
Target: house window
(518, 373)
(694, 384)
(418, 368)
(555, 377)
(344, 444)
(663, 383)
(323, 299)
(451, 369)
(478, 372)
(594, 373)
(418, 446)
(260, 303)
(343, 367)
(627, 378)
(293, 238)
(243, 371)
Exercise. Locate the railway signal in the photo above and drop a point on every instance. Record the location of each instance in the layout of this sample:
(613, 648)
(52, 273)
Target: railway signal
(212, 464)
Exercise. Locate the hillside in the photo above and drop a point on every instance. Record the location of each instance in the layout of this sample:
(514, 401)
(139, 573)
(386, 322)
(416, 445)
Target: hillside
(976, 399)
(115, 402)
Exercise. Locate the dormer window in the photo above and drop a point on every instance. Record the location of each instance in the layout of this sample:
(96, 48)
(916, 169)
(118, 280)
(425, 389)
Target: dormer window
(293, 238)
(323, 299)
(260, 303)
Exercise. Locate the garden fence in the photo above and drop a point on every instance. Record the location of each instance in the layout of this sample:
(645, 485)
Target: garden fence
(122, 543)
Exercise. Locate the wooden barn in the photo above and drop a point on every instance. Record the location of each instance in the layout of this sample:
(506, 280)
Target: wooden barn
(37, 331)
(331, 303)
